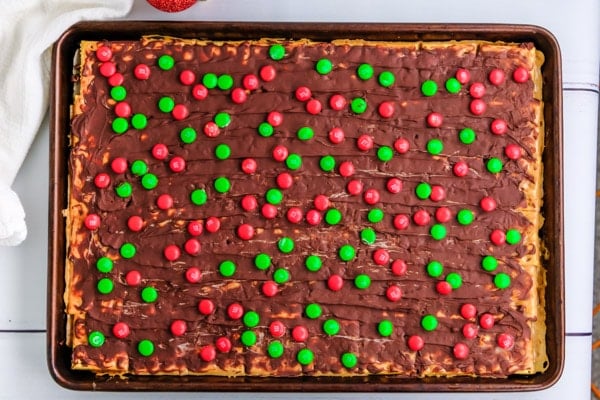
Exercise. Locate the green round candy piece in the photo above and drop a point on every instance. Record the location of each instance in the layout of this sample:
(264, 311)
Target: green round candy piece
(281, 275)
(502, 280)
(423, 190)
(438, 231)
(124, 189)
(104, 264)
(293, 161)
(489, 263)
(349, 360)
(313, 311)
(375, 215)
(494, 165)
(368, 236)
(333, 216)
(149, 294)
(96, 339)
(127, 250)
(435, 269)
(313, 263)
(166, 104)
(513, 236)
(327, 163)
(386, 79)
(199, 197)
(262, 261)
(274, 196)
(149, 181)
(248, 338)
(275, 349)
(305, 356)
(364, 71)
(324, 66)
(454, 279)
(385, 153)
(146, 348)
(385, 328)
(453, 85)
(188, 135)
(139, 121)
(225, 82)
(465, 217)
(210, 80)
(105, 286)
(265, 129)
(222, 184)
(285, 245)
(429, 88)
(277, 52)
(118, 93)
(139, 167)
(362, 281)
(166, 62)
(227, 268)
(305, 133)
(429, 322)
(222, 119)
(222, 151)
(251, 319)
(347, 252)
(120, 125)
(435, 146)
(358, 105)
(467, 135)
(331, 327)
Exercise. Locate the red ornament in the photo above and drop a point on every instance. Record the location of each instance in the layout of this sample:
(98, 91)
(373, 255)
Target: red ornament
(513, 151)
(275, 118)
(313, 217)
(354, 187)
(119, 165)
(521, 75)
(250, 82)
(486, 321)
(195, 228)
(477, 90)
(223, 344)
(239, 95)
(498, 237)
(192, 247)
(193, 275)
(364, 142)
(371, 196)
(116, 79)
(269, 211)
(121, 330)
(394, 185)
(92, 222)
(212, 224)
(177, 164)
(468, 311)
(294, 215)
(346, 169)
(199, 92)
(477, 106)
(172, 252)
(171, 6)
(386, 109)
(235, 311)
(206, 307)
(249, 166)
(401, 221)
(337, 102)
(141, 72)
(103, 53)
(133, 278)
(505, 341)
(463, 75)
(321, 202)
(303, 93)
(443, 214)
(401, 145)
(123, 109)
(381, 257)
(249, 202)
(267, 73)
(488, 204)
(415, 343)
(335, 282)
(208, 352)
(135, 223)
(211, 129)
(280, 153)
(336, 135)
(496, 76)
(313, 106)
(108, 69)
(245, 231)
(460, 351)
(178, 327)
(300, 333)
(460, 169)
(421, 217)
(180, 112)
(102, 180)
(285, 180)
(160, 151)
(269, 288)
(443, 288)
(164, 201)
(438, 193)
(393, 293)
(187, 77)
(399, 267)
(435, 120)
(277, 329)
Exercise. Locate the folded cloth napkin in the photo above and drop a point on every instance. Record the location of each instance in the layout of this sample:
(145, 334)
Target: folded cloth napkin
(27, 30)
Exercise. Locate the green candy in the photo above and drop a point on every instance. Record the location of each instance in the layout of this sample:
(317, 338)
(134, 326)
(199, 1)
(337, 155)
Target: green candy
(166, 104)
(331, 327)
(429, 322)
(146, 348)
(139, 167)
(385, 328)
(494, 165)
(489, 263)
(104, 264)
(349, 360)
(262, 261)
(118, 93)
(513, 236)
(222, 184)
(453, 85)
(277, 52)
(435, 146)
(225, 82)
(222, 151)
(467, 135)
(139, 121)
(375, 215)
(124, 189)
(222, 119)
(199, 197)
(386, 79)
(313, 311)
(465, 217)
(305, 356)
(364, 71)
(435, 269)
(293, 161)
(96, 339)
(275, 349)
(210, 80)
(120, 125)
(265, 129)
(347, 252)
(429, 88)
(166, 62)
(281, 275)
(248, 338)
(324, 66)
(502, 280)
(274, 196)
(227, 268)
(368, 236)
(327, 163)
(305, 133)
(105, 286)
(313, 263)
(251, 319)
(454, 279)
(285, 245)
(385, 153)
(333, 216)
(362, 281)
(188, 135)
(149, 181)
(423, 190)
(149, 294)
(127, 250)
(358, 105)
(438, 231)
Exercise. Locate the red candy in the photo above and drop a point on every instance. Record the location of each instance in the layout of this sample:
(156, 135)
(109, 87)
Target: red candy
(160, 151)
(300, 333)
(488, 204)
(393, 293)
(121, 330)
(103, 53)
(321, 202)
(415, 343)
(498, 127)
(443, 214)
(443, 288)
(354, 187)
(513, 151)
(313, 106)
(164, 201)
(249, 166)
(498, 237)
(249, 202)
(250, 82)
(223, 344)
(335, 282)
(435, 120)
(505, 341)
(438, 193)
(486, 321)
(460, 169)
(294, 215)
(303, 93)
(199, 92)
(421, 217)
(268, 73)
(381, 257)
(195, 228)
(133, 278)
(178, 327)
(496, 76)
(135, 223)
(393, 185)
(141, 72)
(460, 351)
(245, 231)
(212, 224)
(269, 211)
(239, 96)
(177, 164)
(337, 102)
(285, 180)
(364, 142)
(401, 221)
(102, 180)
(469, 330)
(192, 247)
(187, 77)
(277, 329)
(399, 267)
(172, 252)
(468, 311)
(193, 275)
(208, 353)
(275, 118)
(346, 169)
(119, 165)
(206, 307)
(336, 135)
(521, 75)
(123, 109)
(477, 106)
(313, 217)
(463, 75)
(235, 311)
(116, 79)
(477, 90)
(108, 69)
(211, 129)
(269, 288)
(386, 109)
(371, 196)
(280, 153)
(92, 222)
(180, 112)
(401, 145)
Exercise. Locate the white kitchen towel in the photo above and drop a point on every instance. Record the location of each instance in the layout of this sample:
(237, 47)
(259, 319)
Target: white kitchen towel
(28, 28)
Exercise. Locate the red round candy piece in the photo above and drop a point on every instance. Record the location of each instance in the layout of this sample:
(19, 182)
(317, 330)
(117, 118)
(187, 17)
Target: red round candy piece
(313, 106)
(496, 76)
(300, 333)
(121, 330)
(335, 282)
(505, 341)
(269, 288)
(477, 106)
(211, 129)
(199, 92)
(401, 221)
(119, 165)
(346, 169)
(116, 79)
(477, 90)
(521, 75)
(364, 142)
(371, 196)
(415, 343)
(498, 127)
(337, 102)
(285, 180)
(443, 288)
(498, 237)
(354, 187)
(206, 306)
(267, 73)
(269, 211)
(460, 351)
(102, 180)
(394, 185)
(135, 223)
(239, 95)
(160, 151)
(463, 75)
(277, 329)
(486, 321)
(249, 166)
(313, 217)
(164, 201)
(336, 135)
(108, 69)
(443, 214)
(280, 153)
(187, 77)
(235, 311)
(438, 193)
(192, 247)
(141, 72)
(92, 222)
(223, 344)
(468, 311)
(178, 327)
(393, 293)
(180, 112)
(294, 215)
(321, 202)
(245, 231)
(513, 151)
(399, 267)
(275, 118)
(469, 330)
(249, 202)
(386, 109)
(123, 109)
(208, 353)
(133, 278)
(421, 217)
(381, 257)
(303, 93)
(103, 53)
(401, 145)
(172, 252)
(250, 82)
(195, 228)
(435, 119)
(488, 204)
(460, 168)
(177, 164)
(212, 224)
(193, 275)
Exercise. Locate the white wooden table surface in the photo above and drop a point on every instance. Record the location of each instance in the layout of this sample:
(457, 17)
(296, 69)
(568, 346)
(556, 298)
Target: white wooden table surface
(575, 23)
